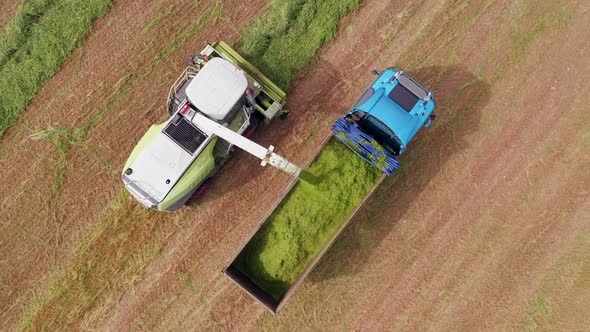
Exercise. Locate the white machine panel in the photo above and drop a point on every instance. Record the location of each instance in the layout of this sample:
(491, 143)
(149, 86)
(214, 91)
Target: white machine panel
(159, 166)
(217, 87)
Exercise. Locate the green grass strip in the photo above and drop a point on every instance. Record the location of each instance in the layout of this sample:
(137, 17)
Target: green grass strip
(19, 28)
(288, 36)
(58, 32)
(306, 219)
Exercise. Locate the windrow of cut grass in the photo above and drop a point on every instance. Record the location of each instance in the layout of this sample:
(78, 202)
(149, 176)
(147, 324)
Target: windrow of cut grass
(111, 257)
(17, 31)
(37, 45)
(286, 39)
(307, 218)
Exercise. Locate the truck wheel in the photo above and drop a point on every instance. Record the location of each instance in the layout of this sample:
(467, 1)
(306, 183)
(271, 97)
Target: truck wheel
(431, 118)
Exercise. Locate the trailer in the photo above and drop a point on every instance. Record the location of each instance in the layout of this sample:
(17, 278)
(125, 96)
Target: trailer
(367, 141)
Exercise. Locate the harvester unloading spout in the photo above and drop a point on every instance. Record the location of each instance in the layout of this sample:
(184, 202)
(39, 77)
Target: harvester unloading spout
(266, 155)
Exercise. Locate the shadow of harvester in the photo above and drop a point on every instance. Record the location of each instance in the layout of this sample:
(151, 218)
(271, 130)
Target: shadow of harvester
(460, 96)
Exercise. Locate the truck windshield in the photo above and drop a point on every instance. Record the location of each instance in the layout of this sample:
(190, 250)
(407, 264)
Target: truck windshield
(380, 132)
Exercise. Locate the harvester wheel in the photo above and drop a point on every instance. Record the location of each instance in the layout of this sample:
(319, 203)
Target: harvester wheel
(284, 115)
(198, 192)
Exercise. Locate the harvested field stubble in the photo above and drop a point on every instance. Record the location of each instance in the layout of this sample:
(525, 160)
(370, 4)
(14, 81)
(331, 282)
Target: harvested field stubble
(307, 218)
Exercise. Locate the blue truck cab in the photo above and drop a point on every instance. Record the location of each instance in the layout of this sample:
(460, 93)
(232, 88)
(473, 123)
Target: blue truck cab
(385, 118)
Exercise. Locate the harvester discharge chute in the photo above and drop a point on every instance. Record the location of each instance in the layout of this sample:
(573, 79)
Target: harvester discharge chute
(365, 146)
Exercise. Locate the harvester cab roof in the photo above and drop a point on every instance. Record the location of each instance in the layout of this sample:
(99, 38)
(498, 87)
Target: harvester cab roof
(217, 89)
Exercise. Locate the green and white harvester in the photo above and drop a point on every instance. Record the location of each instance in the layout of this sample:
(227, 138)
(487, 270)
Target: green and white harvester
(215, 105)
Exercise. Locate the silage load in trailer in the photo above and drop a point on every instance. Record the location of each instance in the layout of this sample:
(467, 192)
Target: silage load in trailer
(306, 219)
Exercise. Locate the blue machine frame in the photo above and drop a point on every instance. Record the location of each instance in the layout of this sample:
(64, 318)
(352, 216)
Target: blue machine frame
(386, 118)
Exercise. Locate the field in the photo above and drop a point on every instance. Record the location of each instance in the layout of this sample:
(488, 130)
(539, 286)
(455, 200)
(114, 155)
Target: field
(485, 226)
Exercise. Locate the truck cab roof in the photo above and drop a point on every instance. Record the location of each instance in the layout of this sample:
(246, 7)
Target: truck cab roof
(398, 103)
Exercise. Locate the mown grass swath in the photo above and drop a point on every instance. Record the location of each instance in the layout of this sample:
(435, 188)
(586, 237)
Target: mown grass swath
(111, 257)
(36, 45)
(286, 39)
(19, 28)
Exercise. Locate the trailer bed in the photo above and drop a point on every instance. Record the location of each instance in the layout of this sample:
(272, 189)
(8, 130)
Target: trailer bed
(271, 298)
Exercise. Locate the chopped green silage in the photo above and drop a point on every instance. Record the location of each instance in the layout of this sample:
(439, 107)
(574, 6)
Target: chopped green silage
(306, 219)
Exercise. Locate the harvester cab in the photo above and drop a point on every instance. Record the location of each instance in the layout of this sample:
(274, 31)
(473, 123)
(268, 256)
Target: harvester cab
(385, 119)
(214, 105)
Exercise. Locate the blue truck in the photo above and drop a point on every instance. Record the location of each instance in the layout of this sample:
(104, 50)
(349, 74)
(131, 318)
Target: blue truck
(378, 128)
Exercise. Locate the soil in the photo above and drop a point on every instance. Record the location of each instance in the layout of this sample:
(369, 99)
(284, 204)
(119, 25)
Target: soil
(485, 225)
